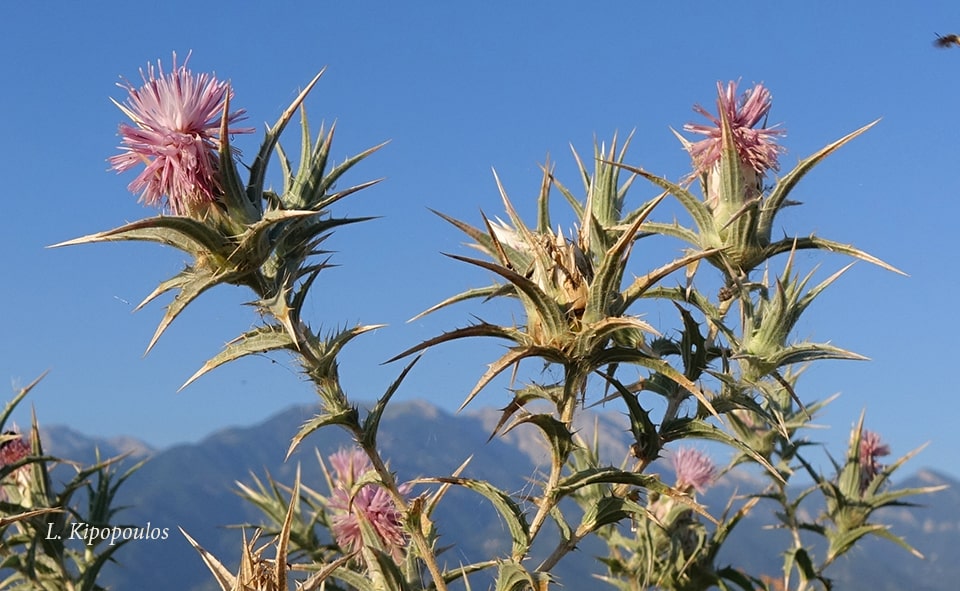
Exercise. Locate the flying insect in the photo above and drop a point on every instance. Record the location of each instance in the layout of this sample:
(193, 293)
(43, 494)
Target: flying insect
(947, 40)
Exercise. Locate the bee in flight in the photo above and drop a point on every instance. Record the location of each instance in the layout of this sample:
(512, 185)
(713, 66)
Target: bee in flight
(946, 40)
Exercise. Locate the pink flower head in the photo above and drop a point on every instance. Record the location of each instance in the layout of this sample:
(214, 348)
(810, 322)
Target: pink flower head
(693, 468)
(372, 504)
(175, 134)
(756, 148)
(349, 465)
(13, 450)
(871, 448)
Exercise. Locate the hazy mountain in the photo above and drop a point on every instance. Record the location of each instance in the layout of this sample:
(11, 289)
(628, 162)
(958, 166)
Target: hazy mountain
(193, 487)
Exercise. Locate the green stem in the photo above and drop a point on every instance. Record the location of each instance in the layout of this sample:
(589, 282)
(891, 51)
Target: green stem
(547, 502)
(562, 549)
(567, 410)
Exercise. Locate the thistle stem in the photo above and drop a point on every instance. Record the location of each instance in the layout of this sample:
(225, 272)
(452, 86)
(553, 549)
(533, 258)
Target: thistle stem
(562, 549)
(549, 500)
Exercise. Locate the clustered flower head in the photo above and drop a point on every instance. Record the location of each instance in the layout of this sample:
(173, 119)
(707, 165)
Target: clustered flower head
(871, 448)
(569, 269)
(371, 504)
(175, 133)
(12, 451)
(694, 469)
(757, 148)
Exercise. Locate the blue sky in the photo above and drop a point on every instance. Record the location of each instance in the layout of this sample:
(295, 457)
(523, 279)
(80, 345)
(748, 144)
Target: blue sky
(458, 89)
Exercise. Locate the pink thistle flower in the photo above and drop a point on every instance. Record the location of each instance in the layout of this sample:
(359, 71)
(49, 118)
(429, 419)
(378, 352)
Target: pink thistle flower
(12, 451)
(871, 448)
(349, 466)
(756, 148)
(175, 133)
(693, 468)
(371, 504)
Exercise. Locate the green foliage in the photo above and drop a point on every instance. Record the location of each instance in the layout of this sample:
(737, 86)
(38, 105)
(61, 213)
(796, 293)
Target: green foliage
(729, 378)
(57, 537)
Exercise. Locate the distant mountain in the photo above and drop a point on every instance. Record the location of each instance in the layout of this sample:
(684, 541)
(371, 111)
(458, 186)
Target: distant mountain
(193, 487)
(64, 442)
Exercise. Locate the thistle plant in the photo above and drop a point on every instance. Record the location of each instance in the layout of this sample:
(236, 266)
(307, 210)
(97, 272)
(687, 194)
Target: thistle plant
(237, 232)
(728, 378)
(576, 316)
(758, 372)
(245, 234)
(51, 536)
